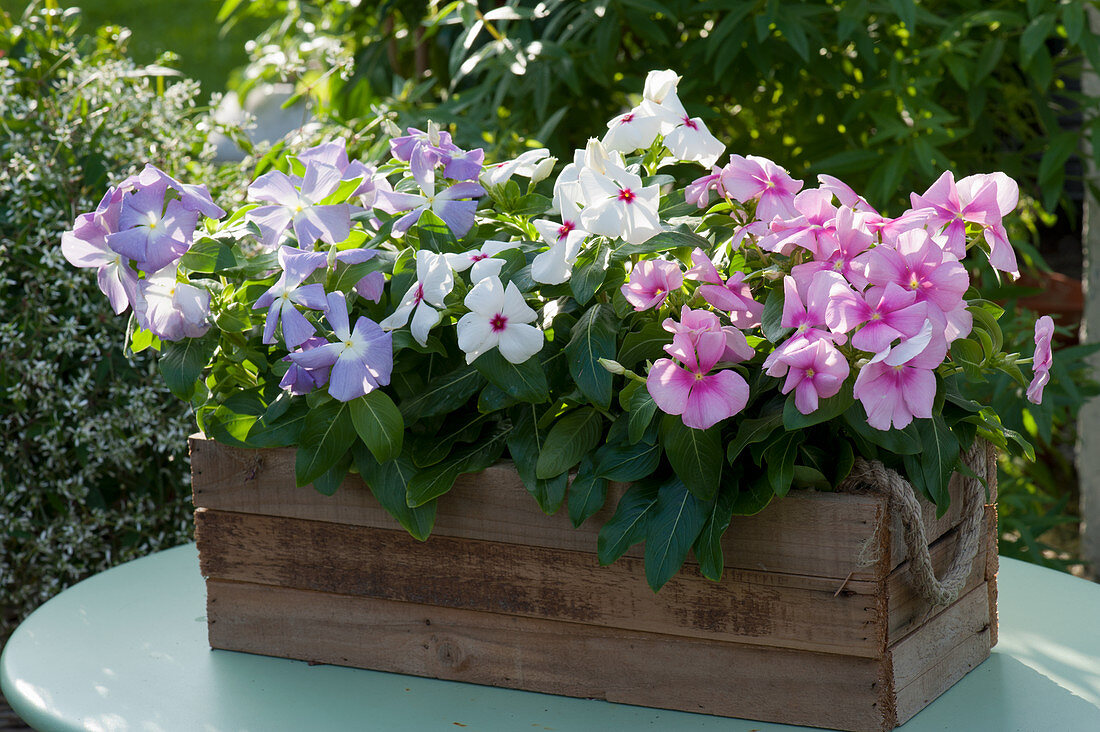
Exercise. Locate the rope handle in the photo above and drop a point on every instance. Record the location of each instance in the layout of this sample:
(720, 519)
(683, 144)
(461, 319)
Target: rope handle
(903, 499)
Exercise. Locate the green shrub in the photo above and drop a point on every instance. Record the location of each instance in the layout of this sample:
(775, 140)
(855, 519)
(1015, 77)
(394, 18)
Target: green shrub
(886, 94)
(93, 464)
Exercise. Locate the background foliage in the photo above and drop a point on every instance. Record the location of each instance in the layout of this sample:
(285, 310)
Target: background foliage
(92, 447)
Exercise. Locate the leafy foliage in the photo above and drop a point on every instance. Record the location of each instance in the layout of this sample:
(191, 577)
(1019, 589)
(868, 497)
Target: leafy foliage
(93, 448)
(885, 94)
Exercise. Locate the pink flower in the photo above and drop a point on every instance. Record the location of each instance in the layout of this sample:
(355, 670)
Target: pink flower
(900, 383)
(1042, 360)
(691, 390)
(808, 320)
(813, 229)
(918, 264)
(886, 314)
(851, 237)
(698, 191)
(650, 282)
(1001, 254)
(694, 323)
(755, 178)
(731, 295)
(816, 371)
(954, 207)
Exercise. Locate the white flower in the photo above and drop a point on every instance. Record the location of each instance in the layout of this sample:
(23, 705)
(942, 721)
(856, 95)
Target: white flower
(434, 280)
(555, 265)
(172, 310)
(526, 165)
(498, 318)
(635, 130)
(659, 85)
(482, 261)
(617, 205)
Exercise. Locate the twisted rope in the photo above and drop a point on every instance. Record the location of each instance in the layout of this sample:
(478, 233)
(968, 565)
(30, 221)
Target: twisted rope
(903, 500)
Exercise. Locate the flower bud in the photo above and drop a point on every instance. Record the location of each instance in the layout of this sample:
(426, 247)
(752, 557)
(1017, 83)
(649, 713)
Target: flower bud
(543, 170)
(390, 128)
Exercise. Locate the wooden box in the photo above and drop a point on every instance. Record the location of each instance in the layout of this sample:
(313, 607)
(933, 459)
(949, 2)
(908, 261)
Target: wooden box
(796, 632)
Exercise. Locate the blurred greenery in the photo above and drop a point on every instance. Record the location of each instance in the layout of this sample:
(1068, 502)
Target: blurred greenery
(184, 28)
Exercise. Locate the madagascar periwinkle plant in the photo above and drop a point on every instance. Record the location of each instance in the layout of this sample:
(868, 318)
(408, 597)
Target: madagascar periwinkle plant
(713, 340)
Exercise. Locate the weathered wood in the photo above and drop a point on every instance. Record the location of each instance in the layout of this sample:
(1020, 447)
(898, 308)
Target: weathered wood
(788, 611)
(808, 532)
(655, 670)
(942, 651)
(814, 613)
(908, 611)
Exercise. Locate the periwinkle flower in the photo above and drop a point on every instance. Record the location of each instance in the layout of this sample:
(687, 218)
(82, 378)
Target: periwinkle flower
(298, 204)
(361, 358)
(1042, 360)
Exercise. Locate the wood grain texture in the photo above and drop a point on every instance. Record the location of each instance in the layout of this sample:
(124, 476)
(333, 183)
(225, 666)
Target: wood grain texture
(651, 669)
(815, 613)
(788, 611)
(808, 532)
(929, 661)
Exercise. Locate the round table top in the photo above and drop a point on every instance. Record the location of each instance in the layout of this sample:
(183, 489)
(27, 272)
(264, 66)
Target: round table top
(127, 650)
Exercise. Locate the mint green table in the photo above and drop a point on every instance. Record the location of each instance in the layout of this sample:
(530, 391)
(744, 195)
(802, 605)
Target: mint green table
(126, 650)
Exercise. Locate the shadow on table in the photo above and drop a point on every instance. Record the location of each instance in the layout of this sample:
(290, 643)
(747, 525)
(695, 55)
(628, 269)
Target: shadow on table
(1029, 699)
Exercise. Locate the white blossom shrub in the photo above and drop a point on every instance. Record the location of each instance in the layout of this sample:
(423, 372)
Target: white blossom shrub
(93, 464)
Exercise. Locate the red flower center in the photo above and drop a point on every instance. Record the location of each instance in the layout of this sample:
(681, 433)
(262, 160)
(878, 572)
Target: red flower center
(478, 257)
(626, 195)
(690, 123)
(627, 118)
(498, 322)
(419, 296)
(564, 229)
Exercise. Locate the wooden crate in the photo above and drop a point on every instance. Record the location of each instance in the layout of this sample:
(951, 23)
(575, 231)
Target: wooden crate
(796, 632)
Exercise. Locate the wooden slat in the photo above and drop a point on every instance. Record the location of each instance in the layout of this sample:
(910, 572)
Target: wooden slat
(808, 532)
(942, 651)
(907, 610)
(728, 679)
(787, 611)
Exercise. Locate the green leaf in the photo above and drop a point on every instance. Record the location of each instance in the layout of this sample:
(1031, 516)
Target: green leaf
(1058, 150)
(779, 459)
(987, 322)
(771, 321)
(435, 234)
(754, 498)
(524, 445)
(587, 493)
(279, 428)
(593, 338)
(827, 409)
(1036, 33)
(677, 519)
(752, 431)
(899, 442)
(571, 437)
(628, 526)
(327, 434)
(590, 271)
(444, 394)
(695, 455)
(181, 362)
(708, 545)
(389, 482)
(642, 345)
(208, 256)
(533, 204)
(328, 482)
(641, 408)
(625, 463)
(524, 381)
(432, 482)
(379, 424)
(930, 471)
(670, 239)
